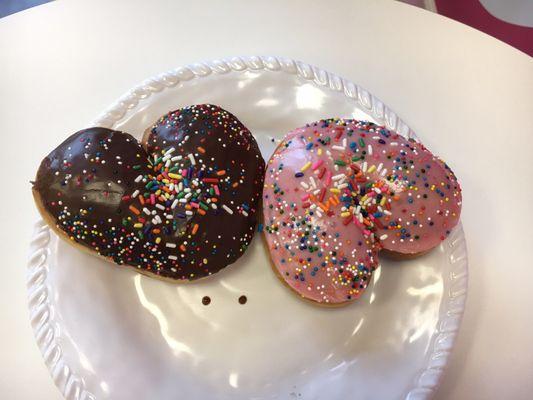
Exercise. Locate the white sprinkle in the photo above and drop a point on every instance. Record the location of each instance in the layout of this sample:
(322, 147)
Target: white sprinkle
(167, 164)
(188, 212)
(158, 218)
(176, 158)
(146, 211)
(154, 221)
(154, 212)
(139, 178)
(364, 166)
(370, 149)
(377, 190)
(187, 190)
(344, 142)
(171, 257)
(244, 213)
(160, 206)
(228, 210)
(182, 200)
(171, 187)
(171, 245)
(344, 185)
(191, 157)
(169, 216)
(387, 212)
(135, 194)
(383, 237)
(384, 172)
(394, 143)
(174, 204)
(379, 167)
(313, 183)
(316, 191)
(188, 195)
(170, 151)
(213, 206)
(337, 177)
(305, 185)
(339, 148)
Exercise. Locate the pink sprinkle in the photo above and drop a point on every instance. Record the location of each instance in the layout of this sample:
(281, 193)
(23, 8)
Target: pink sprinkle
(165, 174)
(366, 232)
(328, 178)
(317, 164)
(152, 198)
(306, 197)
(371, 194)
(217, 192)
(193, 204)
(184, 172)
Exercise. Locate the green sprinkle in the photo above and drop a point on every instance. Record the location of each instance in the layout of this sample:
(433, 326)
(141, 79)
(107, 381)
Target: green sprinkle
(124, 222)
(158, 160)
(361, 142)
(356, 158)
(149, 184)
(173, 169)
(136, 167)
(180, 195)
(140, 234)
(204, 206)
(340, 162)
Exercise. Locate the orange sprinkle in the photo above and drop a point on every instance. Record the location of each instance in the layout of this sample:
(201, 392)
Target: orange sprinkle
(195, 229)
(201, 149)
(188, 207)
(214, 199)
(156, 231)
(134, 210)
(323, 207)
(200, 211)
(221, 172)
(396, 197)
(235, 184)
(141, 199)
(182, 247)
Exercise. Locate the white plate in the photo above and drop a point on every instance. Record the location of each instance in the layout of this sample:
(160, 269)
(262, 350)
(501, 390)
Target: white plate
(109, 333)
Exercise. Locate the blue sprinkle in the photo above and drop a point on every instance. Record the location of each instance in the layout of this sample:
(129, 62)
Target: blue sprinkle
(309, 146)
(299, 174)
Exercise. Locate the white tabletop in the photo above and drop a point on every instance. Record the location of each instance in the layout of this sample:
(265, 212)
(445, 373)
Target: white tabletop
(469, 96)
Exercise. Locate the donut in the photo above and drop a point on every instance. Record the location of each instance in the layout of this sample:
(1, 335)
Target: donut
(338, 191)
(181, 205)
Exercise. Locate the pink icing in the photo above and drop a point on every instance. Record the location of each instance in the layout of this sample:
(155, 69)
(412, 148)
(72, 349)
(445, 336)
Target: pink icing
(337, 191)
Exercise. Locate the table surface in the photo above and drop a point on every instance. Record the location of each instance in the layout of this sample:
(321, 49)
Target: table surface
(469, 97)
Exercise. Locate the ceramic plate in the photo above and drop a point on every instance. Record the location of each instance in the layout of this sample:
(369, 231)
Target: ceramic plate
(109, 333)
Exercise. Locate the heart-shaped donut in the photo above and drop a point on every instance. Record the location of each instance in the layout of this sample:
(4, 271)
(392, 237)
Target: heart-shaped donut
(181, 205)
(338, 191)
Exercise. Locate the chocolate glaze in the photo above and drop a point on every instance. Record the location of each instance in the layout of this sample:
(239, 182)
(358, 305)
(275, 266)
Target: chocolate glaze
(85, 185)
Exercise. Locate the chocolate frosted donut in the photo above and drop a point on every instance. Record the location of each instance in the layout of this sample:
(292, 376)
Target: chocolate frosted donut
(180, 205)
(338, 191)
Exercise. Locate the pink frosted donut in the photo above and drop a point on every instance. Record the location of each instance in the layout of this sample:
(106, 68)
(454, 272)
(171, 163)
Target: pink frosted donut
(338, 191)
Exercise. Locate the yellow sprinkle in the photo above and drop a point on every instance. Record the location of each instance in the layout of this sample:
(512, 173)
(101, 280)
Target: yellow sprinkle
(205, 260)
(319, 152)
(307, 165)
(383, 201)
(138, 225)
(432, 187)
(371, 169)
(158, 240)
(174, 176)
(158, 192)
(334, 190)
(166, 181)
(345, 214)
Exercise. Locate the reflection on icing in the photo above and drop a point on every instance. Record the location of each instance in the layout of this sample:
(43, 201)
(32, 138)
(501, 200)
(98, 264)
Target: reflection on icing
(309, 96)
(175, 345)
(191, 299)
(233, 379)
